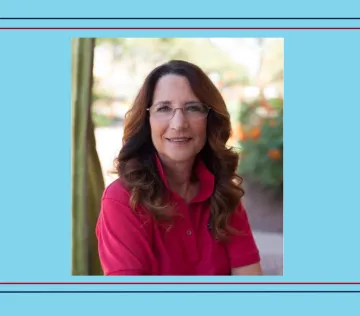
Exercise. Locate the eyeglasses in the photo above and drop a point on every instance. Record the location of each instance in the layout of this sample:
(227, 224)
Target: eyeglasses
(192, 111)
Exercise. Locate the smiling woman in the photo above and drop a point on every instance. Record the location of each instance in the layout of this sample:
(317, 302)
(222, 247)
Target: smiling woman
(178, 136)
(176, 207)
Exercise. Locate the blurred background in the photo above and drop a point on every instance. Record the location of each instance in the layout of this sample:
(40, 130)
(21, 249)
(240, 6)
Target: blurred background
(108, 72)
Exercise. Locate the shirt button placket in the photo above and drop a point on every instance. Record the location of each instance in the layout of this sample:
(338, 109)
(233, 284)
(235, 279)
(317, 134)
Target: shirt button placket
(192, 247)
(192, 244)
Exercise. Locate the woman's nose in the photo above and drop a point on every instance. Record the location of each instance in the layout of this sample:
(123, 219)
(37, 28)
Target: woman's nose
(179, 120)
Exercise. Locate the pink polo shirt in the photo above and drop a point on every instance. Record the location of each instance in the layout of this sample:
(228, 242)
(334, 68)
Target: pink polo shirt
(132, 243)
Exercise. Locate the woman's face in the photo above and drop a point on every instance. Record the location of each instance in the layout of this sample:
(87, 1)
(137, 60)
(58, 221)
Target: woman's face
(181, 137)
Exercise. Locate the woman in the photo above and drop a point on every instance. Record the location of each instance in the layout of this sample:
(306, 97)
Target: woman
(176, 209)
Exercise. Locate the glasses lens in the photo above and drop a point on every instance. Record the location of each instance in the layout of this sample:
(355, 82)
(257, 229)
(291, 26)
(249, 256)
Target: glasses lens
(196, 111)
(191, 111)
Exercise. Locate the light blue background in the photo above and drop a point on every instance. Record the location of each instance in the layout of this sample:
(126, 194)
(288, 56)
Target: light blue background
(175, 304)
(321, 168)
(111, 8)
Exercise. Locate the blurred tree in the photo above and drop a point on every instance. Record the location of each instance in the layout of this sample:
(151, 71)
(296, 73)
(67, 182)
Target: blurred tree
(150, 52)
(136, 57)
(273, 62)
(271, 70)
(87, 181)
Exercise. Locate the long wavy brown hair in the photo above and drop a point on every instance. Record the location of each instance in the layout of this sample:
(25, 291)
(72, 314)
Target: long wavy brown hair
(136, 165)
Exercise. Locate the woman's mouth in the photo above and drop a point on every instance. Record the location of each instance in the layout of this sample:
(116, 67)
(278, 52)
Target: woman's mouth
(179, 140)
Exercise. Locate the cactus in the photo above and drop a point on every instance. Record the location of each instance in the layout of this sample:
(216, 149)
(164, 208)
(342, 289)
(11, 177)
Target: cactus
(87, 178)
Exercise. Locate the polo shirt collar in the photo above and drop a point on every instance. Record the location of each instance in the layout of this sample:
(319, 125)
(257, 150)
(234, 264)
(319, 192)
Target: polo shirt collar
(205, 177)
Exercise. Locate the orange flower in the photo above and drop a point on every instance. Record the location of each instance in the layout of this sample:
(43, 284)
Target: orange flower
(274, 154)
(238, 132)
(255, 133)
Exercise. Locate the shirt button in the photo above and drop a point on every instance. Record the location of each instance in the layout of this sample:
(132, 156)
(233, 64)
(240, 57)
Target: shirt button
(188, 232)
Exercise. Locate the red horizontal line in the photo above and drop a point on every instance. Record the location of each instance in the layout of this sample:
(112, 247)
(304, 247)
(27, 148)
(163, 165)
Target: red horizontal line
(177, 28)
(179, 283)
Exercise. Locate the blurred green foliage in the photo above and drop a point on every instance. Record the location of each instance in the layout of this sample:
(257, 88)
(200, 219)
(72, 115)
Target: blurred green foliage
(259, 132)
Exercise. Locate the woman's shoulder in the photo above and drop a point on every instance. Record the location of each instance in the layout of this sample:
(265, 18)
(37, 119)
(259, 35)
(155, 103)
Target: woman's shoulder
(115, 204)
(116, 194)
(116, 191)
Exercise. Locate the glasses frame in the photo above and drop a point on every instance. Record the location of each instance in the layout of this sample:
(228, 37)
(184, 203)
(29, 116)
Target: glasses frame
(182, 109)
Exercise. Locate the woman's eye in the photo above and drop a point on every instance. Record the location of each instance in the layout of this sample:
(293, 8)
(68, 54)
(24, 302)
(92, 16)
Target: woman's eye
(194, 108)
(164, 108)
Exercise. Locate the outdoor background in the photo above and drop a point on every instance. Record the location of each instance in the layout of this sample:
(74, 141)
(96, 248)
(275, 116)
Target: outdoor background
(107, 74)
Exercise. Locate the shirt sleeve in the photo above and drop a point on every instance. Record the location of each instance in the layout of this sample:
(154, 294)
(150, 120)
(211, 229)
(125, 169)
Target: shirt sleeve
(242, 248)
(124, 245)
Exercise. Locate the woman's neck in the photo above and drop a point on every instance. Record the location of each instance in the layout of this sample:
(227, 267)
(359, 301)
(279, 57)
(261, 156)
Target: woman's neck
(179, 176)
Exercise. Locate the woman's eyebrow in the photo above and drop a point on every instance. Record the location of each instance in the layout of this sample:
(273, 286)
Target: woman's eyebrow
(166, 102)
(162, 103)
(190, 102)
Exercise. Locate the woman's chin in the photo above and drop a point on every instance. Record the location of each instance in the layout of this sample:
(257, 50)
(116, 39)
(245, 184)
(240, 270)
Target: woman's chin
(179, 156)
